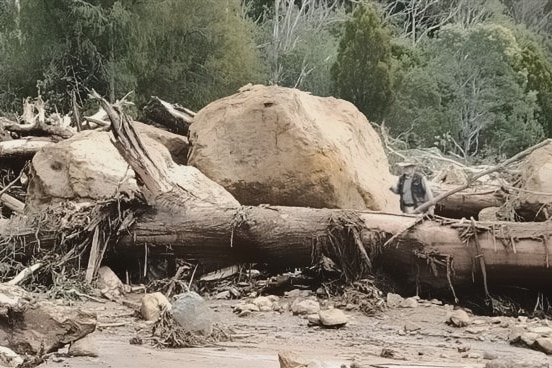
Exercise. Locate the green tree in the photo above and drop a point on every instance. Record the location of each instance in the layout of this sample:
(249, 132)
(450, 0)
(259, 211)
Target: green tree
(191, 51)
(362, 72)
(484, 97)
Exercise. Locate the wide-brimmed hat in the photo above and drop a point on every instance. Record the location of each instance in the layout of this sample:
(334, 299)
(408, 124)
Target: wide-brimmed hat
(407, 164)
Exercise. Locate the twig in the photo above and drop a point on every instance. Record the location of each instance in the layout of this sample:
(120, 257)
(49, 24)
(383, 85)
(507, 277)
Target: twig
(449, 278)
(174, 279)
(12, 183)
(501, 166)
(481, 258)
(192, 278)
(114, 324)
(92, 258)
(83, 295)
(21, 276)
(545, 242)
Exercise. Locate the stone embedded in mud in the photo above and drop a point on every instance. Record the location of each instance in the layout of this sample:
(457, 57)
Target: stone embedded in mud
(409, 303)
(458, 318)
(314, 319)
(152, 305)
(84, 347)
(289, 359)
(9, 358)
(394, 300)
(263, 303)
(411, 326)
(109, 283)
(333, 318)
(544, 344)
(192, 313)
(305, 307)
(543, 331)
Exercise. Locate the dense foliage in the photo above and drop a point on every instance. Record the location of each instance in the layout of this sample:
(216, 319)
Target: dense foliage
(471, 77)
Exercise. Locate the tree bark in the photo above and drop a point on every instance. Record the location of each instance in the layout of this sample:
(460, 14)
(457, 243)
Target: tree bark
(24, 147)
(469, 202)
(174, 117)
(514, 253)
(434, 252)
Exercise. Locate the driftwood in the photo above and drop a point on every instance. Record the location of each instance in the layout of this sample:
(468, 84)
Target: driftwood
(37, 128)
(24, 147)
(173, 116)
(473, 178)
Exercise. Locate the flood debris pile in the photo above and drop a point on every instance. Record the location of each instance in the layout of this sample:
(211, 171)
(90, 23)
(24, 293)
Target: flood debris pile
(269, 178)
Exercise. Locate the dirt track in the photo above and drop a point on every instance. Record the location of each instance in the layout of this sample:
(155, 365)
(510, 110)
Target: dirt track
(260, 336)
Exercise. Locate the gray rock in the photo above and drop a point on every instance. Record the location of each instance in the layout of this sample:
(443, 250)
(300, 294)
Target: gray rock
(394, 300)
(544, 344)
(458, 318)
(529, 338)
(542, 330)
(152, 305)
(314, 319)
(411, 326)
(84, 347)
(409, 303)
(9, 358)
(333, 318)
(223, 295)
(489, 355)
(263, 303)
(192, 313)
(305, 307)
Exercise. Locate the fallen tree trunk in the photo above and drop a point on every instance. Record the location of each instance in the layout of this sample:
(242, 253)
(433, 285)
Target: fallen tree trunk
(514, 253)
(469, 202)
(439, 253)
(24, 147)
(174, 117)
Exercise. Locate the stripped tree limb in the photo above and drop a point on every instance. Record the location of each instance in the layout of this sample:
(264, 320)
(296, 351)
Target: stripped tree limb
(24, 147)
(173, 116)
(472, 179)
(37, 128)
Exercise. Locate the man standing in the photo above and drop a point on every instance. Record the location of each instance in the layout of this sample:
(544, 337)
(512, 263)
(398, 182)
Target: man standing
(413, 188)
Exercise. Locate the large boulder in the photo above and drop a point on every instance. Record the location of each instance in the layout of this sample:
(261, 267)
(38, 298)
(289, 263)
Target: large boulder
(281, 146)
(536, 179)
(88, 168)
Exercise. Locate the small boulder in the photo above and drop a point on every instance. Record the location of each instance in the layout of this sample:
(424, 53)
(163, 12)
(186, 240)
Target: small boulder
(263, 303)
(333, 318)
(9, 358)
(152, 306)
(314, 319)
(289, 359)
(458, 318)
(84, 347)
(192, 313)
(109, 283)
(544, 344)
(394, 300)
(409, 303)
(305, 307)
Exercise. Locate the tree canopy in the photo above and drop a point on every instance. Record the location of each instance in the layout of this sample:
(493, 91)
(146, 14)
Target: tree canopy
(471, 77)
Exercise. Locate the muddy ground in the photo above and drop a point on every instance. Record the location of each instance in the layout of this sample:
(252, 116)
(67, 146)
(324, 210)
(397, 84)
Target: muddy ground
(411, 337)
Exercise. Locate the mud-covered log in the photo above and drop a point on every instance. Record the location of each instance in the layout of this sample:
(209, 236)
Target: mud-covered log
(469, 202)
(514, 253)
(174, 117)
(24, 147)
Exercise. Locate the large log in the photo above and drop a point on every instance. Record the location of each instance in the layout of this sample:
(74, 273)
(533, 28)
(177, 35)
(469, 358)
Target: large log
(436, 252)
(514, 253)
(469, 202)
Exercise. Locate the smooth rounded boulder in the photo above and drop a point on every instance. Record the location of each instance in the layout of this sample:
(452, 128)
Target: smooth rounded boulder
(281, 146)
